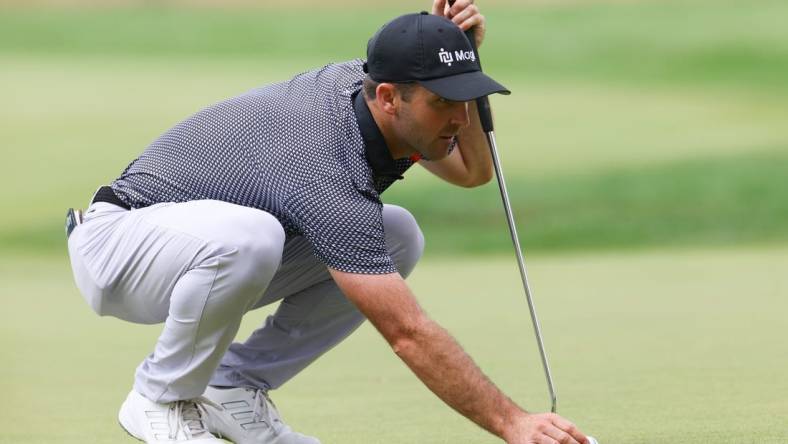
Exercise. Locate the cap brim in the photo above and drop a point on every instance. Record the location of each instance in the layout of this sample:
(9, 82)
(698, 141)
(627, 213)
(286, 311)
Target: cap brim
(464, 87)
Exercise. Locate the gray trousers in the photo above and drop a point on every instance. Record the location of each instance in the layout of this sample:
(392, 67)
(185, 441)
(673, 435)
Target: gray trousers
(198, 267)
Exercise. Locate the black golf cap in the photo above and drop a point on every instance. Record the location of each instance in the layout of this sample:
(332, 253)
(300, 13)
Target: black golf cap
(431, 51)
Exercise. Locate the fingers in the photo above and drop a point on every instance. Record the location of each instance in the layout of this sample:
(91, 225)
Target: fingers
(464, 14)
(476, 21)
(549, 428)
(455, 6)
(561, 436)
(570, 429)
(468, 15)
(439, 7)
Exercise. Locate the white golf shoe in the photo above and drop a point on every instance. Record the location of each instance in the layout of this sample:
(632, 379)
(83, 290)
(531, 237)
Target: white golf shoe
(248, 416)
(176, 422)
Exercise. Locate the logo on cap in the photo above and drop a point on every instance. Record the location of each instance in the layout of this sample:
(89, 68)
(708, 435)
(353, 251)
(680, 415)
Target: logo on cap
(447, 57)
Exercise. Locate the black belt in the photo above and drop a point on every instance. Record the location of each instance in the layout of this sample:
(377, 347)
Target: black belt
(106, 194)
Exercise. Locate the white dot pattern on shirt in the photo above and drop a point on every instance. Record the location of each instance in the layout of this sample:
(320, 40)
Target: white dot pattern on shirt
(292, 149)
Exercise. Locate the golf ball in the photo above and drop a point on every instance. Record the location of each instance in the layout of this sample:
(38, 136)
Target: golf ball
(592, 440)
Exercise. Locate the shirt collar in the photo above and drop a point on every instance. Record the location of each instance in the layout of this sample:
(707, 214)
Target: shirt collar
(377, 152)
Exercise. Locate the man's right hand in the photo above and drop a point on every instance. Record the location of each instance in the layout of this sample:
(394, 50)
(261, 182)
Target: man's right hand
(544, 428)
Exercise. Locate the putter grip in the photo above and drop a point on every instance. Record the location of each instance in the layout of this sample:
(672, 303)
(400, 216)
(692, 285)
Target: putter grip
(482, 103)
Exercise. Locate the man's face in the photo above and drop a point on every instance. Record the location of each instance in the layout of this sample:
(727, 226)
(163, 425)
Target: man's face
(426, 122)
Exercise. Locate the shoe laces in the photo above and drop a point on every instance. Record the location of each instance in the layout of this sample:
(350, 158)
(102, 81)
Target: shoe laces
(188, 416)
(265, 410)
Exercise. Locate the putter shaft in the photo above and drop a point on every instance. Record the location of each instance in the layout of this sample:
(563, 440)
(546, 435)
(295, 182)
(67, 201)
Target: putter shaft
(521, 263)
(485, 118)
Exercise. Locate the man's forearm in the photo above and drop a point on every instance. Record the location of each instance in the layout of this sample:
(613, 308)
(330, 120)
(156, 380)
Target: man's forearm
(444, 367)
(430, 352)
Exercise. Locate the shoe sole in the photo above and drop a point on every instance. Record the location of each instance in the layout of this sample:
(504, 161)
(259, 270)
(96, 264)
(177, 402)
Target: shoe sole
(125, 427)
(142, 440)
(127, 432)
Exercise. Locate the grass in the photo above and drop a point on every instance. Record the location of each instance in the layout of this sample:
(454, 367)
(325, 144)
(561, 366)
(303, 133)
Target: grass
(644, 141)
(631, 125)
(700, 42)
(650, 347)
(731, 201)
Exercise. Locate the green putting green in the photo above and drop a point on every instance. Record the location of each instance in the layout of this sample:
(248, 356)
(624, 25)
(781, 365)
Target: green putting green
(663, 346)
(645, 147)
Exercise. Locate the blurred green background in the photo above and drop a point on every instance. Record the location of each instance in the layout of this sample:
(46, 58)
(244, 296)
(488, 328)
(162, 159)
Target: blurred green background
(646, 152)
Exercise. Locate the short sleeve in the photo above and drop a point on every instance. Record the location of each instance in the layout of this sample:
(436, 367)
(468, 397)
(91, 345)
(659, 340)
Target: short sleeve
(343, 224)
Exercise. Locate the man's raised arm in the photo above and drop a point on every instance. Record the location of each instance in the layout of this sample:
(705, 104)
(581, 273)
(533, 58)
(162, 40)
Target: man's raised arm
(470, 164)
(443, 366)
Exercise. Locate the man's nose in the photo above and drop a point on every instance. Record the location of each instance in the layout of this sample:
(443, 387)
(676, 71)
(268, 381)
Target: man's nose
(460, 116)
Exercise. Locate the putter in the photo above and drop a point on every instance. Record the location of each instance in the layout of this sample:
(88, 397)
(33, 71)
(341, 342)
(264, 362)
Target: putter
(485, 117)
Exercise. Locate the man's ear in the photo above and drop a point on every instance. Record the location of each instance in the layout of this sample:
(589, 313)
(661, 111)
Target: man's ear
(388, 97)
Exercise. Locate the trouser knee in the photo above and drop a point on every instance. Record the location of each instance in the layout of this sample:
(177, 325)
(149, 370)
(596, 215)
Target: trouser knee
(404, 238)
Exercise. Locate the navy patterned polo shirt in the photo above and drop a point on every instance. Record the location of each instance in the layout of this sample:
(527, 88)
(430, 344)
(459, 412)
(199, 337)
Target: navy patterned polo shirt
(306, 151)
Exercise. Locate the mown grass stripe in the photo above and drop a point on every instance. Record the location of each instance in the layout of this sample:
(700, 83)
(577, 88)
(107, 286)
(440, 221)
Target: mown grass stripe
(701, 202)
(737, 200)
(699, 42)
